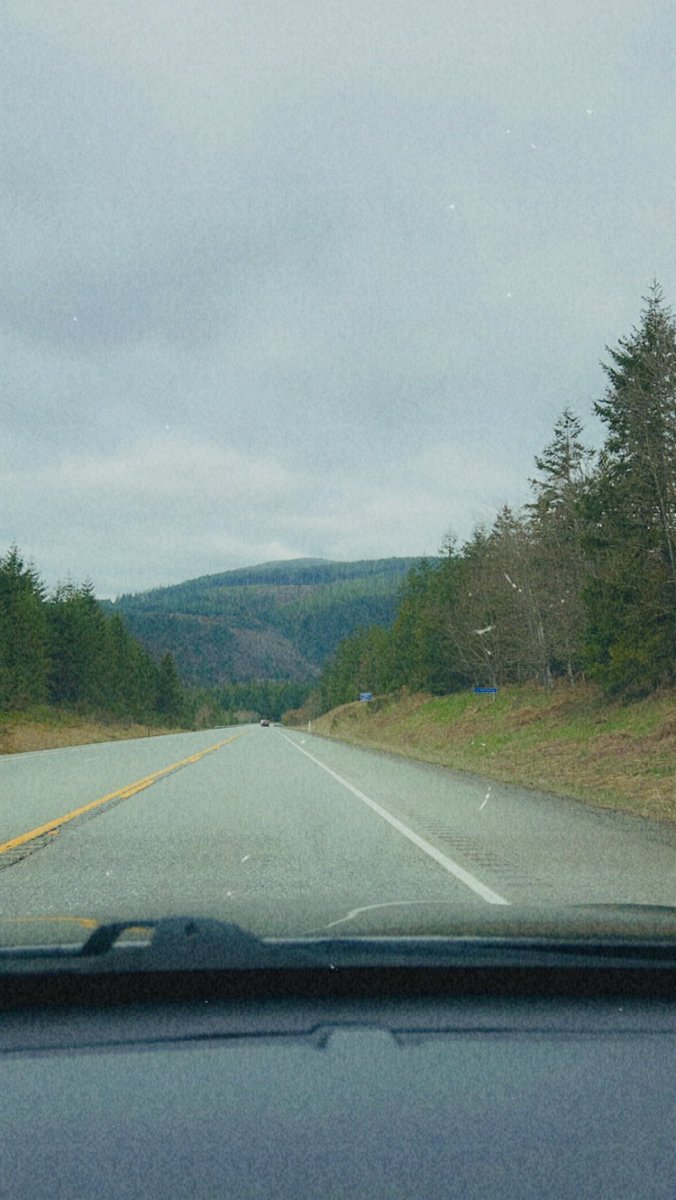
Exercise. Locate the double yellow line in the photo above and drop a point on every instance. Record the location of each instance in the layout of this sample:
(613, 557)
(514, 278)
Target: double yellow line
(121, 794)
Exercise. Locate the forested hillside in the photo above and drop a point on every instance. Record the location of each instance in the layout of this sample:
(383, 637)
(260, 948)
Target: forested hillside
(63, 650)
(276, 621)
(581, 581)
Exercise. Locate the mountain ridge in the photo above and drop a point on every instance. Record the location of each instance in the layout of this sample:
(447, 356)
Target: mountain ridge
(276, 620)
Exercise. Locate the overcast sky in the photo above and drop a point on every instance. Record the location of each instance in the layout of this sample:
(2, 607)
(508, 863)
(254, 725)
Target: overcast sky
(311, 277)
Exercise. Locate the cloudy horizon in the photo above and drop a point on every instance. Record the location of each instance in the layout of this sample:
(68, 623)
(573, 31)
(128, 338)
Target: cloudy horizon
(312, 279)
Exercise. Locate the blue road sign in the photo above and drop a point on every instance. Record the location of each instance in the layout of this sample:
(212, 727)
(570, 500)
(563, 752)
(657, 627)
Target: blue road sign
(485, 691)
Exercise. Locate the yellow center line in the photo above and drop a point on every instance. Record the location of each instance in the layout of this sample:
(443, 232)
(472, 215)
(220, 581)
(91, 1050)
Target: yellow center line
(122, 794)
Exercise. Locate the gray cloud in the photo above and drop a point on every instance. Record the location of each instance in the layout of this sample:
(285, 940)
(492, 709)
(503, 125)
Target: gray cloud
(311, 278)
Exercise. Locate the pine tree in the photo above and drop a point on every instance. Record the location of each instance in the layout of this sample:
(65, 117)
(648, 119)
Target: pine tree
(78, 647)
(496, 624)
(471, 622)
(420, 653)
(169, 696)
(563, 465)
(131, 674)
(556, 527)
(639, 411)
(631, 512)
(24, 657)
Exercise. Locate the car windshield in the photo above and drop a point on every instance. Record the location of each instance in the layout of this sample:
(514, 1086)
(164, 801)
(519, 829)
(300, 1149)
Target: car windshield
(338, 466)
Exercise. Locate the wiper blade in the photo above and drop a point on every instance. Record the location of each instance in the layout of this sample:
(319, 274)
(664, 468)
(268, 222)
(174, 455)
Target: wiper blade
(171, 943)
(203, 944)
(178, 936)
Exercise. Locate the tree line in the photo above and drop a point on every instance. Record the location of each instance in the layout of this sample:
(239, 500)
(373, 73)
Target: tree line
(66, 649)
(269, 698)
(580, 581)
(220, 634)
(62, 649)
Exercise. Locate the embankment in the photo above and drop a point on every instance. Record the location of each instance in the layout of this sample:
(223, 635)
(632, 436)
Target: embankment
(50, 728)
(569, 741)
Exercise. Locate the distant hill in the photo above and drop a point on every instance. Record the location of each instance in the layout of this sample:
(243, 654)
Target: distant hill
(277, 620)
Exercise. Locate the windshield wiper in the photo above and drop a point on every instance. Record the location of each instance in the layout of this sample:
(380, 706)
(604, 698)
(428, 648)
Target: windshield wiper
(204, 944)
(171, 943)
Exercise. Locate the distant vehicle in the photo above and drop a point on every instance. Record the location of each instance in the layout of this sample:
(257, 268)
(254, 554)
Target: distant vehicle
(265, 721)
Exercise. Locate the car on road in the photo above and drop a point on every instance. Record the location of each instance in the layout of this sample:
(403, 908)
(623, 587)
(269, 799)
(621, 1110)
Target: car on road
(265, 723)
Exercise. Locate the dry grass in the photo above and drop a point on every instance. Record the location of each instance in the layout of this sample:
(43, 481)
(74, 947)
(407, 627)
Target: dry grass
(50, 730)
(567, 741)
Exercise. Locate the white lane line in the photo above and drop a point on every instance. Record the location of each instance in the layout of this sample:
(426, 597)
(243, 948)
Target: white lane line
(447, 863)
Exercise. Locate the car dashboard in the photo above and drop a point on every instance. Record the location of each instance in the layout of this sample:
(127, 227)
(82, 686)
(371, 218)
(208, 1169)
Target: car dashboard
(340, 1082)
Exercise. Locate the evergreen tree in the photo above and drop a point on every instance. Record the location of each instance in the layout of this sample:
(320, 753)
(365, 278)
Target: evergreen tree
(78, 647)
(419, 649)
(24, 658)
(556, 528)
(471, 625)
(131, 674)
(360, 664)
(496, 623)
(169, 701)
(563, 465)
(639, 411)
(630, 507)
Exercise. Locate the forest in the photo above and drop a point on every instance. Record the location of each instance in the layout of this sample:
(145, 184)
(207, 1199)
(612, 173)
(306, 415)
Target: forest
(581, 582)
(62, 649)
(276, 621)
(70, 651)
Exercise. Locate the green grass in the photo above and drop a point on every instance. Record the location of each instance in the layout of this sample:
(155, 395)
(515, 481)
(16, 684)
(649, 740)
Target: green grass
(566, 740)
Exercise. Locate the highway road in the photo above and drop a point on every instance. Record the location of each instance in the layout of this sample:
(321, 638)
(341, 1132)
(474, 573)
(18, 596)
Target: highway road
(207, 822)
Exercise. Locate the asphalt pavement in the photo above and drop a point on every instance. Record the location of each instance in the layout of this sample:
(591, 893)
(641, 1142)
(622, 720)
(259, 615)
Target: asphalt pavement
(203, 822)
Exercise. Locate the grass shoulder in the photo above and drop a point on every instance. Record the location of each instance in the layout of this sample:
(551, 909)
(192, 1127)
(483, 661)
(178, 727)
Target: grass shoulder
(49, 728)
(567, 740)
